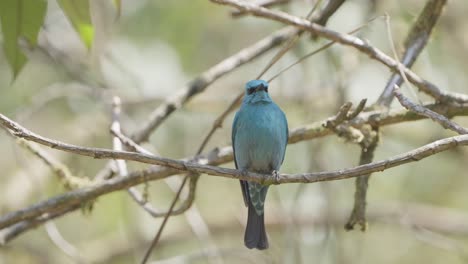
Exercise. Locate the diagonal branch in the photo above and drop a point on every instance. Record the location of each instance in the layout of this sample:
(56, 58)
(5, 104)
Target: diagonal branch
(81, 195)
(415, 42)
(88, 193)
(331, 7)
(419, 109)
(368, 146)
(121, 165)
(219, 156)
(200, 83)
(264, 3)
(329, 10)
(348, 40)
(13, 231)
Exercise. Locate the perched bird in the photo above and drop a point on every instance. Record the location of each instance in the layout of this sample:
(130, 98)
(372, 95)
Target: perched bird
(259, 139)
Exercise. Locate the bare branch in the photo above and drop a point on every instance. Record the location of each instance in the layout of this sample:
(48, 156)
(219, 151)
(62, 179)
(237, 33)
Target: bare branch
(331, 7)
(218, 123)
(200, 83)
(368, 147)
(193, 216)
(415, 42)
(264, 3)
(347, 40)
(419, 109)
(217, 157)
(13, 231)
(61, 243)
(85, 194)
(68, 180)
(161, 228)
(344, 114)
(121, 164)
(323, 47)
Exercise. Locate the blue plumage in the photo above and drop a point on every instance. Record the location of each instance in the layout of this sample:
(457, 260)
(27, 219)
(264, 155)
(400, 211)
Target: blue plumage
(259, 139)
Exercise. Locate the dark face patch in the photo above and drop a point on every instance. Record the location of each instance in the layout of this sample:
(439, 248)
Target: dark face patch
(260, 87)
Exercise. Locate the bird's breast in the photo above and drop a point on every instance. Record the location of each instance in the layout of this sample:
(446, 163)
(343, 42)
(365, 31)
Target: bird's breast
(259, 141)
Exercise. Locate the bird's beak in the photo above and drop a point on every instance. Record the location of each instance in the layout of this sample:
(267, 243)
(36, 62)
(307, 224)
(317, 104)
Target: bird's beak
(261, 95)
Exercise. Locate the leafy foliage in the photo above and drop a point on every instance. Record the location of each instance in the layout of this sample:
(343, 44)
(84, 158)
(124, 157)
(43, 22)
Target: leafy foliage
(21, 19)
(78, 13)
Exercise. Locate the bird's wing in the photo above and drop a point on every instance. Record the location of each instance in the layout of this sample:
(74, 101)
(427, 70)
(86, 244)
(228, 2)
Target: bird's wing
(285, 122)
(244, 184)
(233, 136)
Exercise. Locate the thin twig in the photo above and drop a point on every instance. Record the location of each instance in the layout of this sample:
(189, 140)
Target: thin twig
(415, 42)
(13, 231)
(121, 165)
(376, 118)
(88, 193)
(368, 146)
(60, 242)
(406, 102)
(324, 47)
(194, 217)
(218, 123)
(264, 3)
(348, 40)
(367, 138)
(161, 228)
(344, 114)
(64, 175)
(139, 198)
(69, 181)
(289, 44)
(60, 170)
(331, 7)
(421, 110)
(200, 83)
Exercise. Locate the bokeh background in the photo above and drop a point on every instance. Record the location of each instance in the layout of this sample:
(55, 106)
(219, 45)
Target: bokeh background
(156, 47)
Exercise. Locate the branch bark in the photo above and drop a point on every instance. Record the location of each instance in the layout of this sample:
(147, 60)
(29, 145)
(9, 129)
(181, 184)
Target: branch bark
(79, 196)
(348, 40)
(216, 157)
(200, 83)
(415, 42)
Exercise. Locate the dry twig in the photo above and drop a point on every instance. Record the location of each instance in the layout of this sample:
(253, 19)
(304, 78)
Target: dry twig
(421, 110)
(351, 41)
(415, 42)
(264, 3)
(88, 193)
(376, 118)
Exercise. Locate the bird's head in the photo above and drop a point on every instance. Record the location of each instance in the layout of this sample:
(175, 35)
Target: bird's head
(256, 91)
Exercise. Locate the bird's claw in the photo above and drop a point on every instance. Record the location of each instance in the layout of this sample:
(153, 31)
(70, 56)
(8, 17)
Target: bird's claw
(276, 176)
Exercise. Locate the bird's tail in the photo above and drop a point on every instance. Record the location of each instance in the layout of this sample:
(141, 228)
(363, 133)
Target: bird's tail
(255, 234)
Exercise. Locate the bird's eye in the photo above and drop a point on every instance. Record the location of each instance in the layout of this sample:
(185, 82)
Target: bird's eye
(266, 89)
(250, 91)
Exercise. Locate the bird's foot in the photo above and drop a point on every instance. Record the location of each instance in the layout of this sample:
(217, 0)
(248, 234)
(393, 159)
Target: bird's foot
(276, 176)
(244, 172)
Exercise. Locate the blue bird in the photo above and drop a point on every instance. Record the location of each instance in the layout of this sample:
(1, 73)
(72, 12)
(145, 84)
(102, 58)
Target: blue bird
(259, 139)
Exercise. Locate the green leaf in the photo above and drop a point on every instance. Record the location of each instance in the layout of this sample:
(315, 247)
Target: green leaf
(21, 19)
(78, 13)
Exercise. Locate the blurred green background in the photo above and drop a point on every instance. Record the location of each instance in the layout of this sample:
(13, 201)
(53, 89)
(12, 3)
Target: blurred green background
(156, 47)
